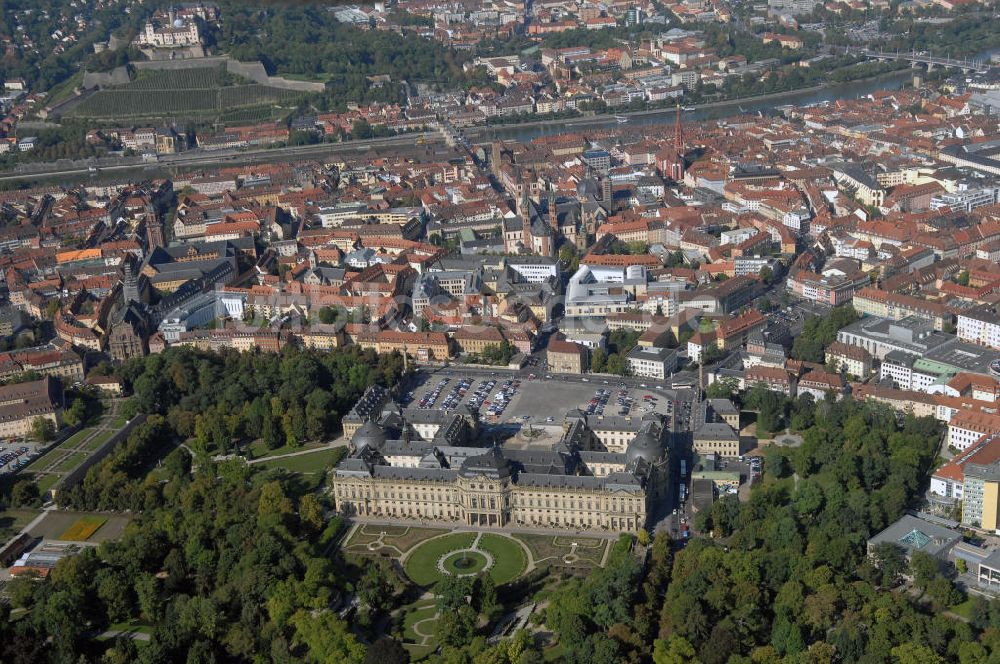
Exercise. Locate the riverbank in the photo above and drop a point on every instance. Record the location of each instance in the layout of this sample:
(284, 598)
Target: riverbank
(709, 110)
(73, 171)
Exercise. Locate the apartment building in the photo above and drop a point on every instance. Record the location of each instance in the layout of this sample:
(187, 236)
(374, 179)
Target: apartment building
(980, 326)
(874, 302)
(968, 427)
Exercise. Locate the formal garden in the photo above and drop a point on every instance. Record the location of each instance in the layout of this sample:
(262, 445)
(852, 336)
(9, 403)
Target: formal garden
(466, 554)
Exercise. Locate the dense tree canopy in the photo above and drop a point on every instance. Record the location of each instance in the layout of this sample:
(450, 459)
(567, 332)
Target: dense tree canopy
(229, 563)
(221, 402)
(819, 332)
(307, 40)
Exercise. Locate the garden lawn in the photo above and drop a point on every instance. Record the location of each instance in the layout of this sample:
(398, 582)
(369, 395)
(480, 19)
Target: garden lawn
(314, 462)
(420, 645)
(78, 437)
(421, 566)
(47, 481)
(70, 462)
(258, 450)
(83, 529)
(13, 520)
(547, 548)
(509, 560)
(963, 609)
(99, 440)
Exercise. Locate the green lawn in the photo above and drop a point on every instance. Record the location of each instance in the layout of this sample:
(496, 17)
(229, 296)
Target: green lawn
(421, 566)
(409, 539)
(314, 462)
(99, 440)
(47, 481)
(119, 422)
(548, 549)
(65, 90)
(131, 627)
(400, 538)
(48, 458)
(509, 560)
(13, 520)
(421, 612)
(963, 609)
(77, 437)
(258, 450)
(465, 562)
(83, 528)
(127, 628)
(417, 645)
(70, 462)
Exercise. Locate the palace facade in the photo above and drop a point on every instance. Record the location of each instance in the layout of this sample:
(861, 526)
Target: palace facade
(392, 472)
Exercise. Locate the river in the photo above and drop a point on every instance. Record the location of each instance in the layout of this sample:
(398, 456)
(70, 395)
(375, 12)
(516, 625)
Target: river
(526, 132)
(890, 81)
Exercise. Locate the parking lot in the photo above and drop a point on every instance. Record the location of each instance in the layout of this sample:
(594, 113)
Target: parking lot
(509, 399)
(16, 453)
(492, 396)
(749, 469)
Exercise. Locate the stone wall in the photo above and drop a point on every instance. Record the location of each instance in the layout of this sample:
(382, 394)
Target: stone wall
(76, 476)
(103, 79)
(251, 70)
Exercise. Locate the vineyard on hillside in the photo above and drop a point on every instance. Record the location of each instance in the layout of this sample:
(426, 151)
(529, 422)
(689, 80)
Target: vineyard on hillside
(182, 93)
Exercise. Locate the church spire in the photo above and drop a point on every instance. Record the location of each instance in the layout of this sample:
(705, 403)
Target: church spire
(677, 165)
(678, 134)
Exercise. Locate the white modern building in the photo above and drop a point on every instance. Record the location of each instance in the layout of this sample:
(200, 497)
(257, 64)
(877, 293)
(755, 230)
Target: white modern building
(652, 362)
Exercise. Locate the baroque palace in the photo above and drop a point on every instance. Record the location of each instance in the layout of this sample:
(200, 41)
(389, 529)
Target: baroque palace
(425, 465)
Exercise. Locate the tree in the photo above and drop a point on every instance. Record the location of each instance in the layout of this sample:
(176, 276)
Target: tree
(910, 653)
(569, 258)
(924, 568)
(311, 513)
(273, 501)
(485, 593)
(818, 333)
(676, 650)
(42, 429)
(617, 365)
(722, 388)
(374, 587)
(386, 650)
(769, 416)
(711, 354)
(25, 493)
(115, 593)
(457, 627)
(803, 412)
(786, 637)
(150, 601)
(328, 315)
(890, 562)
(361, 130)
(76, 413)
(598, 360)
(21, 590)
(775, 463)
(326, 638)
